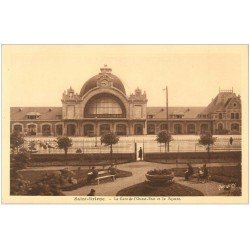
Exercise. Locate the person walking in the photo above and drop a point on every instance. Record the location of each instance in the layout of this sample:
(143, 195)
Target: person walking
(231, 140)
(140, 153)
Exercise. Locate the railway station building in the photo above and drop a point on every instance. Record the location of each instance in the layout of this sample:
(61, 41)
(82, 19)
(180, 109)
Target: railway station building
(103, 105)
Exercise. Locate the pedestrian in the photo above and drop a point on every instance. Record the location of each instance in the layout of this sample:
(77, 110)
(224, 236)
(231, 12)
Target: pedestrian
(231, 140)
(92, 175)
(92, 192)
(140, 153)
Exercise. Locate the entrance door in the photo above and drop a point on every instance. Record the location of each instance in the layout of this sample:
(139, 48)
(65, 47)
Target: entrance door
(71, 129)
(88, 130)
(178, 129)
(104, 128)
(138, 129)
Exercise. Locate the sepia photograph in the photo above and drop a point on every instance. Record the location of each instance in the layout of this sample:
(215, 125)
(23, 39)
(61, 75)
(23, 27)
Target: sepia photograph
(125, 123)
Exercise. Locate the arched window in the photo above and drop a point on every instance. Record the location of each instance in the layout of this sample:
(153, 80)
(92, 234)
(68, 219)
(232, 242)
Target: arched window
(191, 128)
(104, 128)
(46, 130)
(31, 129)
(151, 129)
(235, 127)
(104, 106)
(71, 129)
(18, 128)
(88, 130)
(138, 129)
(59, 129)
(121, 129)
(177, 129)
(220, 126)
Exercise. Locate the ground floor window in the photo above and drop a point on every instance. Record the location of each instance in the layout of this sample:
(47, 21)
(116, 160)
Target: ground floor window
(191, 128)
(151, 129)
(138, 129)
(46, 130)
(177, 129)
(104, 128)
(220, 126)
(32, 129)
(71, 129)
(235, 127)
(121, 129)
(59, 129)
(18, 128)
(88, 130)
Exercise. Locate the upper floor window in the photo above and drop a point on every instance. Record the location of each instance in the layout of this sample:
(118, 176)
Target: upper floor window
(232, 115)
(150, 116)
(33, 115)
(237, 116)
(220, 115)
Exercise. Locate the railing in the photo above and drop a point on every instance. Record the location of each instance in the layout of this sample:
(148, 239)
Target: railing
(127, 145)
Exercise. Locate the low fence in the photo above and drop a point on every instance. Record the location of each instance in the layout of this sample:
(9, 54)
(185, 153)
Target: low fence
(129, 145)
(191, 145)
(85, 146)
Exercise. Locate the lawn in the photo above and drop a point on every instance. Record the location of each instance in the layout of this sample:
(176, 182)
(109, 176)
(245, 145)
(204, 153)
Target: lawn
(147, 189)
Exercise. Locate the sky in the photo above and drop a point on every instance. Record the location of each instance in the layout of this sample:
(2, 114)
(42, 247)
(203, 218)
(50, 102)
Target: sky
(37, 75)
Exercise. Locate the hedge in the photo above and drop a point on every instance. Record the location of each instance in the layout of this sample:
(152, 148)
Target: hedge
(234, 156)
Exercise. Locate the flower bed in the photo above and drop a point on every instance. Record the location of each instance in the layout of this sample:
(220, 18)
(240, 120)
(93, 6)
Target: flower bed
(160, 176)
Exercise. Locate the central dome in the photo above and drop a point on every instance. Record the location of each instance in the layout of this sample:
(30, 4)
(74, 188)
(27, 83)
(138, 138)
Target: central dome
(104, 78)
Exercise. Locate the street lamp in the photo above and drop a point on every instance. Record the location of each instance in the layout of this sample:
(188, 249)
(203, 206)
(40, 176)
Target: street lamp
(166, 89)
(96, 124)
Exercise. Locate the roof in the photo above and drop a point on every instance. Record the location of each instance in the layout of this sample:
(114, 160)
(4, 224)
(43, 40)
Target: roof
(219, 103)
(45, 113)
(188, 112)
(92, 83)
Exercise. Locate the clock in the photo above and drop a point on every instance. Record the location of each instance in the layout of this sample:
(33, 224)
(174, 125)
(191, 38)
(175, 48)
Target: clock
(104, 83)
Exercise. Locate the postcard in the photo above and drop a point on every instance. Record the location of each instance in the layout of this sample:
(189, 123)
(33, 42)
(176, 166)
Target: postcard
(125, 124)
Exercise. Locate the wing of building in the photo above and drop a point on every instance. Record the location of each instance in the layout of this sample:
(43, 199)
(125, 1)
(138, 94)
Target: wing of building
(103, 106)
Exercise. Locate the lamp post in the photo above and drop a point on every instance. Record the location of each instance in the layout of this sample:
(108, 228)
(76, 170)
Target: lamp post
(166, 89)
(96, 124)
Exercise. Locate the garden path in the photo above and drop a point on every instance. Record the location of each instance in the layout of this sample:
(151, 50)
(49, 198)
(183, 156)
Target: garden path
(139, 170)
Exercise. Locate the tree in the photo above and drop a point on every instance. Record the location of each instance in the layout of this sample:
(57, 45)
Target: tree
(109, 139)
(207, 140)
(164, 137)
(64, 143)
(19, 186)
(16, 140)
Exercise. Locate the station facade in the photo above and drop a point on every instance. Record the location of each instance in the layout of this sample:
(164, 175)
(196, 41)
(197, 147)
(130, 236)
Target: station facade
(103, 105)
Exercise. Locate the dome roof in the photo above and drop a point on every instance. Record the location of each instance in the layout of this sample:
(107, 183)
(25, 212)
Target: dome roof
(106, 76)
